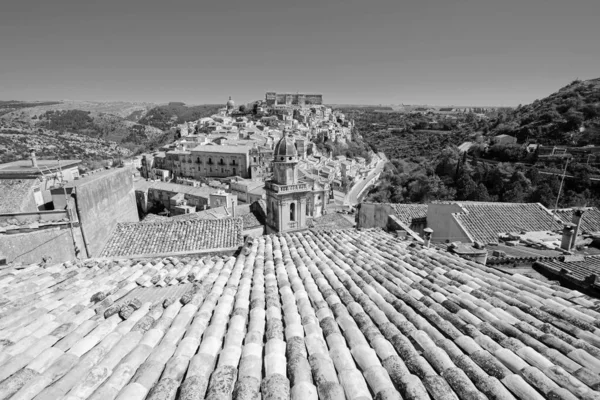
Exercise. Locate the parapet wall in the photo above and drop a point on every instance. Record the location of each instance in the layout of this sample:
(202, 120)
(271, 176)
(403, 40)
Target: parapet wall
(55, 244)
(104, 201)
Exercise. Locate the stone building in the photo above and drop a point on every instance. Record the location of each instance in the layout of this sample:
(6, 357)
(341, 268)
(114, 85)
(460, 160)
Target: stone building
(295, 99)
(219, 161)
(286, 195)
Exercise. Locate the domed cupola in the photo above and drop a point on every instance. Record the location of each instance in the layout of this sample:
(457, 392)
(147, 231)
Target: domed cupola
(285, 150)
(230, 103)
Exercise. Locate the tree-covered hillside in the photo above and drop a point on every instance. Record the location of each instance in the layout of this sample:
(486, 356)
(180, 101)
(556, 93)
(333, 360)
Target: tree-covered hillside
(570, 116)
(167, 116)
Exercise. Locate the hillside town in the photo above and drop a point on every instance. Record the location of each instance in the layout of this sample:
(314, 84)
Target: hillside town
(243, 261)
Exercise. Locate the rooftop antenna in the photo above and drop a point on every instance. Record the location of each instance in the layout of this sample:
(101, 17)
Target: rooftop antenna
(562, 180)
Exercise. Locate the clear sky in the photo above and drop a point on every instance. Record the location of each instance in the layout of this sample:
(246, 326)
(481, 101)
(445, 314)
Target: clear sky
(440, 52)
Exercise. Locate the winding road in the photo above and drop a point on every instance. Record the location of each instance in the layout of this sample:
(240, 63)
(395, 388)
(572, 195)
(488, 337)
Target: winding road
(352, 197)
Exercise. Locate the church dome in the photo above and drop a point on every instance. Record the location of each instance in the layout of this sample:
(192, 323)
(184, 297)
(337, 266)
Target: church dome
(230, 103)
(285, 148)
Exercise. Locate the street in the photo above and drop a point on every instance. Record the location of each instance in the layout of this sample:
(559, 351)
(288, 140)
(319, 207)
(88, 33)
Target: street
(352, 198)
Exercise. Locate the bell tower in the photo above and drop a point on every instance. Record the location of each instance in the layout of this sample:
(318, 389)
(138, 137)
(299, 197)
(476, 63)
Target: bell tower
(286, 195)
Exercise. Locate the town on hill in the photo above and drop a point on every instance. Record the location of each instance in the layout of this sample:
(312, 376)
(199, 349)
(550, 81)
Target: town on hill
(287, 248)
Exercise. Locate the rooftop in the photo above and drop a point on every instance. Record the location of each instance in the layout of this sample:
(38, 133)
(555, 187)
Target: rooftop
(202, 191)
(590, 221)
(407, 212)
(355, 314)
(249, 220)
(15, 193)
(24, 167)
(330, 221)
(223, 149)
(484, 221)
(188, 236)
(583, 271)
(98, 174)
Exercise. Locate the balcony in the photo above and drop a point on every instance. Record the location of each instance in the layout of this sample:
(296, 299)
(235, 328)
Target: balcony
(300, 187)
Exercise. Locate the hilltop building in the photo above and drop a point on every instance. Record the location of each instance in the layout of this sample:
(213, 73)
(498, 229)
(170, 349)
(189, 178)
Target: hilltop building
(297, 99)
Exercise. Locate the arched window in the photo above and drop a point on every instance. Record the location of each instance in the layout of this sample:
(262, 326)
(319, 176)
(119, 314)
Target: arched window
(293, 212)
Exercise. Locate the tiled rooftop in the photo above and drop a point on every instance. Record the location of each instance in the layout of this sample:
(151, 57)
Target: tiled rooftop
(348, 314)
(484, 221)
(329, 221)
(139, 238)
(249, 220)
(155, 218)
(407, 212)
(501, 254)
(581, 270)
(14, 193)
(590, 220)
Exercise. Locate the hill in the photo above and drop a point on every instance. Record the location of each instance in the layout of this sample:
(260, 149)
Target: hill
(569, 116)
(89, 130)
(166, 116)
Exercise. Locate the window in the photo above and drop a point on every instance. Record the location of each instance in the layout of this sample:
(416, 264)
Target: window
(293, 212)
(254, 159)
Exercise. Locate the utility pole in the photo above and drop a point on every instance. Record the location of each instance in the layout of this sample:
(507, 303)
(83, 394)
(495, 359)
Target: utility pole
(559, 190)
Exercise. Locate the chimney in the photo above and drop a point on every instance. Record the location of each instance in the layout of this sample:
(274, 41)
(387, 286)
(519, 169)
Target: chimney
(577, 218)
(233, 207)
(567, 237)
(427, 232)
(33, 159)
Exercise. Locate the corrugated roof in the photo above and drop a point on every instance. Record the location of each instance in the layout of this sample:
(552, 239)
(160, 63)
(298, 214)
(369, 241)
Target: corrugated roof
(347, 314)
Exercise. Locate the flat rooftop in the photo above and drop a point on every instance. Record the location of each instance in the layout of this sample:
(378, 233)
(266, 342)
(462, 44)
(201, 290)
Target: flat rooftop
(24, 167)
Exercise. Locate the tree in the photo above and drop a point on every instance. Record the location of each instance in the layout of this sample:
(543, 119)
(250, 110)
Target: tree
(465, 185)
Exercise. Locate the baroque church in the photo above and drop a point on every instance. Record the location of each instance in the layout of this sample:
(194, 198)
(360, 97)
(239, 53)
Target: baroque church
(292, 201)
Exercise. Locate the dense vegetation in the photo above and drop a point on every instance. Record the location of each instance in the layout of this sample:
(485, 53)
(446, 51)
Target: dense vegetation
(557, 119)
(68, 120)
(167, 116)
(426, 165)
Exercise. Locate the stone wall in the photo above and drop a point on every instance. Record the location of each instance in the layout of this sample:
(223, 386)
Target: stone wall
(374, 215)
(104, 201)
(31, 247)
